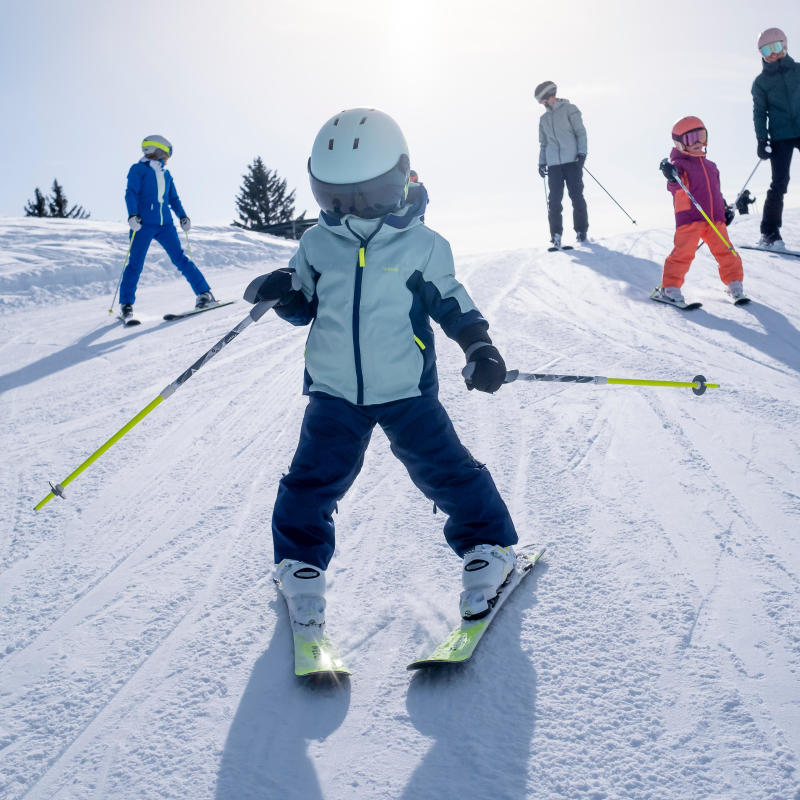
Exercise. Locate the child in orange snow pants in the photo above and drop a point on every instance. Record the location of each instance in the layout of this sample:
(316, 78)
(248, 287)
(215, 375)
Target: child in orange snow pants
(686, 240)
(688, 164)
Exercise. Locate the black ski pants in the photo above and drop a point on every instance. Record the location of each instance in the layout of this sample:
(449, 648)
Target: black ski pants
(780, 161)
(572, 176)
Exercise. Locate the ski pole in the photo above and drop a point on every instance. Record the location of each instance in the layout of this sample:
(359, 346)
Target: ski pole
(610, 195)
(705, 216)
(698, 384)
(119, 282)
(256, 312)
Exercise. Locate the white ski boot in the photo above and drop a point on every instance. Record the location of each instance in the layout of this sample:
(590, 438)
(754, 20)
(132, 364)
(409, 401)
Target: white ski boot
(672, 294)
(486, 568)
(736, 292)
(303, 587)
(771, 241)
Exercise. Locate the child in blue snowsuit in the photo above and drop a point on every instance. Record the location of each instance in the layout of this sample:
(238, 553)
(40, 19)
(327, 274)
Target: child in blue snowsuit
(369, 277)
(149, 195)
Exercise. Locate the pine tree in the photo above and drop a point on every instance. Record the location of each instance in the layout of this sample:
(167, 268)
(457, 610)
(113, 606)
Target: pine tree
(55, 206)
(262, 200)
(58, 204)
(38, 206)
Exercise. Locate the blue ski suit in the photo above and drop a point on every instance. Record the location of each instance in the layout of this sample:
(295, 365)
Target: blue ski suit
(369, 290)
(150, 193)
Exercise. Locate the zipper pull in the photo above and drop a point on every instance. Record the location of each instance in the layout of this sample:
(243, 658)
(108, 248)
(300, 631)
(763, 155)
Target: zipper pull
(362, 257)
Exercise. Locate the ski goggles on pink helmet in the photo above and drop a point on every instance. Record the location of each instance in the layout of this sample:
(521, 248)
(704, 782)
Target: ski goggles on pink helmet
(773, 47)
(693, 137)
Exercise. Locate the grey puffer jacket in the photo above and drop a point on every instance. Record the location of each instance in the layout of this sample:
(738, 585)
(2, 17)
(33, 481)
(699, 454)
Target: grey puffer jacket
(370, 288)
(561, 134)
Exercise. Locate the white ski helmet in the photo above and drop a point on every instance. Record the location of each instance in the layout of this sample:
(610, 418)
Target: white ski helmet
(156, 144)
(360, 164)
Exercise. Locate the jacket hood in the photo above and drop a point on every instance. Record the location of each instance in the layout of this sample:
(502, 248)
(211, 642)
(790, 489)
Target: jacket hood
(560, 101)
(781, 65)
(679, 156)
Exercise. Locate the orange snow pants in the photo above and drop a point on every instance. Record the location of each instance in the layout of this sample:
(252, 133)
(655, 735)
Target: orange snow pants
(687, 237)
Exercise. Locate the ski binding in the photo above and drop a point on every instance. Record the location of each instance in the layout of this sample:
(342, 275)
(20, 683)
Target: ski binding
(459, 646)
(658, 297)
(210, 307)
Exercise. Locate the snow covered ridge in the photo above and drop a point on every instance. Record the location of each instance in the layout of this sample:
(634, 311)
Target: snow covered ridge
(47, 260)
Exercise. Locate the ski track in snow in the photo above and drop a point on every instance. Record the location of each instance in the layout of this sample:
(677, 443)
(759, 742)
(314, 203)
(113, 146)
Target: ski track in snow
(653, 653)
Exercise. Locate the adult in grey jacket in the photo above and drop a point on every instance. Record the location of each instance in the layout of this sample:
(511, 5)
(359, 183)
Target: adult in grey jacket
(776, 116)
(369, 278)
(562, 151)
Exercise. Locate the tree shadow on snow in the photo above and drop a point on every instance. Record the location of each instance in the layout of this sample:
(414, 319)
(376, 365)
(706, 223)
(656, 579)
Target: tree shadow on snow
(266, 752)
(86, 348)
(480, 715)
(779, 339)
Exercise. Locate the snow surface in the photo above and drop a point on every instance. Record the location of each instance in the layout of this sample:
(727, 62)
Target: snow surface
(653, 654)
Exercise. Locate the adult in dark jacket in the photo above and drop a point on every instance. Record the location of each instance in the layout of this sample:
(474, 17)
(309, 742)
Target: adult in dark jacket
(562, 151)
(149, 195)
(776, 116)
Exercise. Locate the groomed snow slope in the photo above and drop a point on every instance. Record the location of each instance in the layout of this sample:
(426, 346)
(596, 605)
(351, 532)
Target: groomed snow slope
(653, 655)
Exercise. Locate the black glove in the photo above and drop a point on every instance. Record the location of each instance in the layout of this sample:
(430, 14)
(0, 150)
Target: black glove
(543, 170)
(764, 150)
(730, 214)
(668, 169)
(278, 285)
(579, 159)
(485, 370)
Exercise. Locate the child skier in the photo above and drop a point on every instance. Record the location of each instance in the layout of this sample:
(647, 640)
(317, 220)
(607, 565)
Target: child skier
(149, 194)
(701, 177)
(370, 275)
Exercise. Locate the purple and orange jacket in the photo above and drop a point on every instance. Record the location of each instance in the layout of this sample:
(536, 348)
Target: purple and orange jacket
(701, 178)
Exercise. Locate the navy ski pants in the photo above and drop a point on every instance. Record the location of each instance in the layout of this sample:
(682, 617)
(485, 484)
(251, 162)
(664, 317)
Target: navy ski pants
(572, 176)
(167, 237)
(333, 439)
(780, 161)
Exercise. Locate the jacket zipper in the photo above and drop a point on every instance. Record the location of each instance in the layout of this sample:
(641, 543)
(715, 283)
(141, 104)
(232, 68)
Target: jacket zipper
(710, 195)
(361, 263)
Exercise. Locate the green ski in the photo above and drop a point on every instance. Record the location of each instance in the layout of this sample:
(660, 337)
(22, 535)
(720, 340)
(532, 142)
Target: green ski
(460, 644)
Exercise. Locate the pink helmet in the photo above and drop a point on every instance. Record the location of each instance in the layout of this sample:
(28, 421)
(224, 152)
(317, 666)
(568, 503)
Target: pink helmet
(771, 35)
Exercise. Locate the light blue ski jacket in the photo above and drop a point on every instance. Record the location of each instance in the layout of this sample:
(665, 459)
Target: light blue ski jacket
(151, 192)
(562, 134)
(370, 288)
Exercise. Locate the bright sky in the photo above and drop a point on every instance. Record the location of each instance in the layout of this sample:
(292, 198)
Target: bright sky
(84, 81)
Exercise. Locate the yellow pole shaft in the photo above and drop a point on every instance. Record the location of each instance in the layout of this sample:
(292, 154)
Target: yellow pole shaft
(684, 384)
(707, 219)
(97, 453)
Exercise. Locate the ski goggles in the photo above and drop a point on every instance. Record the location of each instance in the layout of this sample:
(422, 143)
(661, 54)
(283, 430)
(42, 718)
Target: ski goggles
(369, 199)
(692, 137)
(768, 49)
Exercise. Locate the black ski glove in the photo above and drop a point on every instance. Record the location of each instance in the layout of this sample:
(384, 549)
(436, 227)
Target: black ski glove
(764, 150)
(668, 169)
(485, 370)
(730, 214)
(543, 170)
(579, 159)
(280, 285)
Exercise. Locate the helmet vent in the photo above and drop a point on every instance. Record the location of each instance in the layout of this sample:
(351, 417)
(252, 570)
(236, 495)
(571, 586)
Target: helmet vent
(363, 120)
(336, 121)
(330, 144)
(355, 143)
